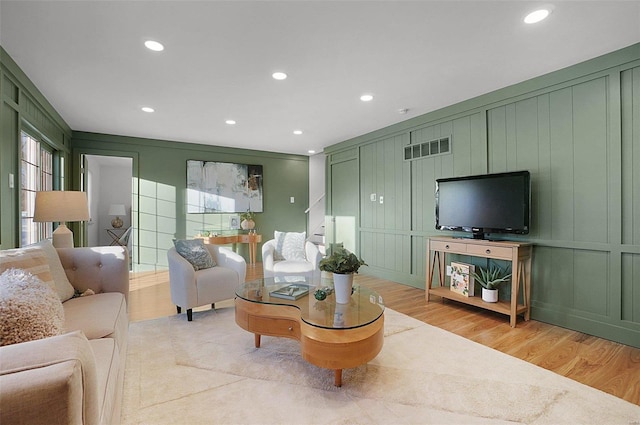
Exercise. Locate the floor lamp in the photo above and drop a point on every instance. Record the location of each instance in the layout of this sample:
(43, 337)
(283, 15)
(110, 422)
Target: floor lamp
(61, 206)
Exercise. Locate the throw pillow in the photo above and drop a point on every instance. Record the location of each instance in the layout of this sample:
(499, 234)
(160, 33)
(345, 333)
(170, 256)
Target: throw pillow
(32, 260)
(63, 287)
(29, 308)
(290, 246)
(194, 251)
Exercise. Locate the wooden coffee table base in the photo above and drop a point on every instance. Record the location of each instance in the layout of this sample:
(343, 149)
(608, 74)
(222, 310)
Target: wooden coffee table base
(334, 349)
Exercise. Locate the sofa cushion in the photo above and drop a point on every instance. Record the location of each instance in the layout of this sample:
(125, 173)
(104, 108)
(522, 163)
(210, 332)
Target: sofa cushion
(292, 267)
(194, 251)
(63, 286)
(29, 308)
(289, 246)
(32, 260)
(98, 316)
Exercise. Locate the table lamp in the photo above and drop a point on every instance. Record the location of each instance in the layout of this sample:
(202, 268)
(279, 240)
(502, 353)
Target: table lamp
(117, 210)
(61, 206)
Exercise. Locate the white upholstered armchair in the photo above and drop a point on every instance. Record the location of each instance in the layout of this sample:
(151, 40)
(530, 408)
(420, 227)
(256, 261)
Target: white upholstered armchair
(306, 264)
(190, 288)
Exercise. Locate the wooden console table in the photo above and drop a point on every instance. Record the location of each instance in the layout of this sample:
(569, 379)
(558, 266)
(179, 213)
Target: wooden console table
(250, 238)
(518, 253)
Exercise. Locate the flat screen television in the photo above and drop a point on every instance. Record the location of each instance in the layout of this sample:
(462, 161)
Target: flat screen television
(483, 204)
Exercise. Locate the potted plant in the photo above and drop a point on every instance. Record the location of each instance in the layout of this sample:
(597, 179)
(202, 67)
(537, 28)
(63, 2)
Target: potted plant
(490, 279)
(343, 264)
(246, 220)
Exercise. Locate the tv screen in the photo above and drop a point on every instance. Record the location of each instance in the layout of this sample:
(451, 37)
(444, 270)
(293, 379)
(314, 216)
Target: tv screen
(482, 204)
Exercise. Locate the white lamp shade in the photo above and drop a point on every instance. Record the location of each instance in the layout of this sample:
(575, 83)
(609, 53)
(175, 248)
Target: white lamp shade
(117, 209)
(61, 205)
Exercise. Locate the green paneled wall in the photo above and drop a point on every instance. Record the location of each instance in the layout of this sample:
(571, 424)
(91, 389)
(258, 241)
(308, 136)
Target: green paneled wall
(578, 132)
(159, 190)
(22, 106)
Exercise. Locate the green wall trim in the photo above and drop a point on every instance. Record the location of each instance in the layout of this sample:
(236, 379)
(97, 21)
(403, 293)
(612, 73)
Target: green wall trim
(178, 145)
(12, 70)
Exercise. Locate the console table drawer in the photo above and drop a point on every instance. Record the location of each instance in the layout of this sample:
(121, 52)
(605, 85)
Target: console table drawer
(275, 327)
(490, 251)
(448, 246)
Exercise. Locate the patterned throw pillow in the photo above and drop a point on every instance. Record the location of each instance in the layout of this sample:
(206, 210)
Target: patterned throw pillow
(194, 251)
(289, 246)
(29, 308)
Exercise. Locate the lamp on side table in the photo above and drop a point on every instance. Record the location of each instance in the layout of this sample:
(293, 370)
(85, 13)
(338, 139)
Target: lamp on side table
(61, 206)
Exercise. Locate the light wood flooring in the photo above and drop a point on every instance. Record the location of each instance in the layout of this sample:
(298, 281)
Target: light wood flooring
(609, 366)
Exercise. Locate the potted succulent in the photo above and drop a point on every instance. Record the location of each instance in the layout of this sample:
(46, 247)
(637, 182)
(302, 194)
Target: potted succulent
(246, 220)
(343, 264)
(490, 279)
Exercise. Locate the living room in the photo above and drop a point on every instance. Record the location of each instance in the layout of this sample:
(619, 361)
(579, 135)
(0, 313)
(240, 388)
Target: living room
(573, 128)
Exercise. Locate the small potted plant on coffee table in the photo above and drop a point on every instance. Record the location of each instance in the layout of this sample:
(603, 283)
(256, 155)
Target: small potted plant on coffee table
(490, 279)
(343, 264)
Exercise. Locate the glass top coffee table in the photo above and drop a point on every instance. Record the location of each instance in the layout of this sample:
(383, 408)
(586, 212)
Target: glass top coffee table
(331, 335)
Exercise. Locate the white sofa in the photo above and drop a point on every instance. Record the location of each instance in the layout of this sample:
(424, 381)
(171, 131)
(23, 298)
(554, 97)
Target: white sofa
(76, 377)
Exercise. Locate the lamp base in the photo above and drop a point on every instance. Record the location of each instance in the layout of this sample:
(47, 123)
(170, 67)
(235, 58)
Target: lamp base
(62, 237)
(117, 223)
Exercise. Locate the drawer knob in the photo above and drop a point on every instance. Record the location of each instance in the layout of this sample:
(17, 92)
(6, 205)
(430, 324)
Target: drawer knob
(290, 328)
(488, 251)
(446, 246)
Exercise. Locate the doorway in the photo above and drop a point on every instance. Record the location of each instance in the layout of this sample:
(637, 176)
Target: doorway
(108, 183)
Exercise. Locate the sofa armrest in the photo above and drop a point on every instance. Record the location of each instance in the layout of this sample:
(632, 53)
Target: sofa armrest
(225, 257)
(102, 269)
(268, 249)
(51, 380)
(313, 254)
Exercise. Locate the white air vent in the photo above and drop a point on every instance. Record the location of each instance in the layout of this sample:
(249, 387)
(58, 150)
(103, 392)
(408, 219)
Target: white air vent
(433, 147)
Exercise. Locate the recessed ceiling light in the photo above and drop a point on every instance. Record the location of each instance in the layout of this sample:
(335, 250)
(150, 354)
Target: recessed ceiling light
(366, 97)
(311, 151)
(230, 122)
(297, 132)
(536, 16)
(147, 109)
(279, 76)
(154, 45)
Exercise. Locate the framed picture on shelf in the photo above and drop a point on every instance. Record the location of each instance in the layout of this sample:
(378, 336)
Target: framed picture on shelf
(462, 281)
(234, 222)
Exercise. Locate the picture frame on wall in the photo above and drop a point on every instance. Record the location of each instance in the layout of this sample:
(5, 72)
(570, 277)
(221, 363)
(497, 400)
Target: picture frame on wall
(234, 222)
(221, 187)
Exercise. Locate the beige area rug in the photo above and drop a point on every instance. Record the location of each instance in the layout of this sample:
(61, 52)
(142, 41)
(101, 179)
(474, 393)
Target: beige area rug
(209, 372)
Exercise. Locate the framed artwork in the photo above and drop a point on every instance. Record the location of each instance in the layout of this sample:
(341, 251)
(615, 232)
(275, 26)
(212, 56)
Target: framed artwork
(223, 187)
(462, 280)
(234, 222)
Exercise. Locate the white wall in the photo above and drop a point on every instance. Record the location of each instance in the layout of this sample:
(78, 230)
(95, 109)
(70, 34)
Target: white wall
(316, 190)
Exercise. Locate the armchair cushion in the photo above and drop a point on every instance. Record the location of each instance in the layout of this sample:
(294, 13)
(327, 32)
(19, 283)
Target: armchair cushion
(194, 251)
(289, 246)
(29, 308)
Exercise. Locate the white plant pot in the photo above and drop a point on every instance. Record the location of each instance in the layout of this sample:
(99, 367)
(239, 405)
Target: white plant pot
(490, 295)
(342, 284)
(247, 224)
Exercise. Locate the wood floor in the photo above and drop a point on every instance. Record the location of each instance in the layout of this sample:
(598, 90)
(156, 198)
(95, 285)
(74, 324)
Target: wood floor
(609, 366)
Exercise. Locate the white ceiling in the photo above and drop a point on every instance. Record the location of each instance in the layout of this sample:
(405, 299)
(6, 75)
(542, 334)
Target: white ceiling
(88, 59)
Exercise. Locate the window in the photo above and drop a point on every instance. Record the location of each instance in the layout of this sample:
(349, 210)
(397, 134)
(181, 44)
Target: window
(36, 171)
